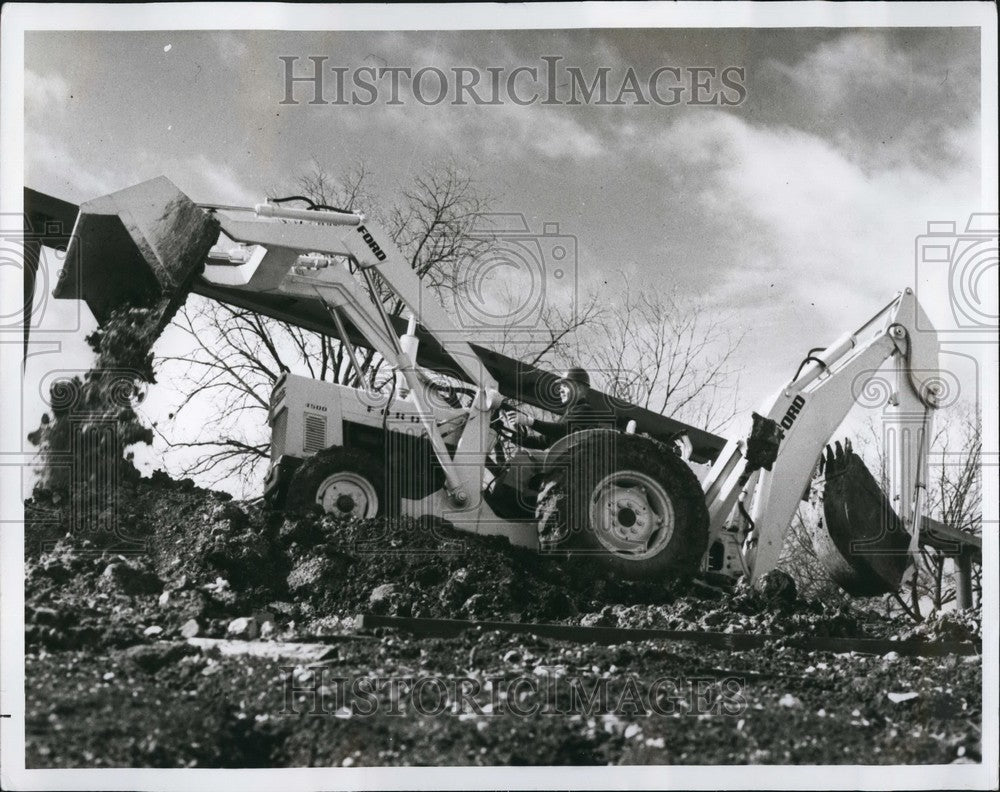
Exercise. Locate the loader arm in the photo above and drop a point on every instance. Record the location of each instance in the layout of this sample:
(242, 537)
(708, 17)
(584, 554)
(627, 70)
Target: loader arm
(339, 242)
(810, 407)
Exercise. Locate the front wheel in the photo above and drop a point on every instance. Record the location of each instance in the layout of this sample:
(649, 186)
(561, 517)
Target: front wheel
(339, 481)
(629, 501)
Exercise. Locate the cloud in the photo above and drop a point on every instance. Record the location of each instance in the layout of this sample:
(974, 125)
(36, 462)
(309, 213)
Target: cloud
(880, 96)
(50, 166)
(813, 242)
(45, 94)
(807, 205)
(554, 135)
(208, 181)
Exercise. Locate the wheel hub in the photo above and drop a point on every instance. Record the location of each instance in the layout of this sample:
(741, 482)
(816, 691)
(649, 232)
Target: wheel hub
(631, 514)
(347, 494)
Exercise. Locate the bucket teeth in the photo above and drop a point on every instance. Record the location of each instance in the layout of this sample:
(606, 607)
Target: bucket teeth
(861, 540)
(835, 458)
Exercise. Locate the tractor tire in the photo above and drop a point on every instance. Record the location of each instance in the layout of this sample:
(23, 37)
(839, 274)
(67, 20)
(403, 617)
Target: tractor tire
(629, 501)
(341, 481)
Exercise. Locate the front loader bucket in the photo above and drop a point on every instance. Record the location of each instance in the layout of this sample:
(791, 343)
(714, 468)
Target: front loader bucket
(864, 546)
(138, 247)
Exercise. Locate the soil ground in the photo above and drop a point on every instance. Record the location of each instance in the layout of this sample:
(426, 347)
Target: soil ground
(111, 681)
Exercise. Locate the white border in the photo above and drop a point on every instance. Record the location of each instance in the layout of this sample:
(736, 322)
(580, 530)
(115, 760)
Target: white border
(17, 18)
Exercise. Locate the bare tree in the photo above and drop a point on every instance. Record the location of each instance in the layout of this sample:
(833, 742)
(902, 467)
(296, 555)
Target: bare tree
(662, 353)
(234, 356)
(550, 342)
(954, 498)
(800, 559)
(232, 359)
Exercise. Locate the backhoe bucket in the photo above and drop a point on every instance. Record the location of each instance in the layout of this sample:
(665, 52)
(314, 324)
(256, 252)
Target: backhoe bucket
(864, 546)
(139, 247)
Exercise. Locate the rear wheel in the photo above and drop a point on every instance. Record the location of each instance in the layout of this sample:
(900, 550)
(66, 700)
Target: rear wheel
(629, 501)
(340, 481)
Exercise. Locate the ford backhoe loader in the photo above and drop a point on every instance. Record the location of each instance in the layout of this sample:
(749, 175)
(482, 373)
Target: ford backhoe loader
(650, 498)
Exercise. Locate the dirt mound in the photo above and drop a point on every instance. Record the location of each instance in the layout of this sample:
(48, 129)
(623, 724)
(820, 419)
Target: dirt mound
(311, 570)
(180, 553)
(965, 625)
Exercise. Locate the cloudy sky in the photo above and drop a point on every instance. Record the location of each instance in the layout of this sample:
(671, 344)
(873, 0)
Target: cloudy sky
(794, 212)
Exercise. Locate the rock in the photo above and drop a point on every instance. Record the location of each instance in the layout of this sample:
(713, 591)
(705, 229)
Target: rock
(267, 629)
(224, 598)
(899, 698)
(790, 701)
(244, 627)
(632, 730)
(190, 628)
(779, 586)
(229, 514)
(132, 580)
(306, 575)
(303, 530)
(164, 599)
(54, 569)
(219, 584)
(452, 593)
(152, 630)
(284, 608)
(316, 571)
(301, 653)
(595, 620)
(382, 593)
(152, 657)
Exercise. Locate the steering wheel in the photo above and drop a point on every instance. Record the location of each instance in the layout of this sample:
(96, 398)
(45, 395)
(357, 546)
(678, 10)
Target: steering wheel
(505, 433)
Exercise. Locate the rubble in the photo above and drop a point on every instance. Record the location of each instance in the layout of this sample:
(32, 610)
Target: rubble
(200, 627)
(243, 627)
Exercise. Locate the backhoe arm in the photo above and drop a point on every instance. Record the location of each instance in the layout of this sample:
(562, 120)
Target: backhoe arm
(807, 411)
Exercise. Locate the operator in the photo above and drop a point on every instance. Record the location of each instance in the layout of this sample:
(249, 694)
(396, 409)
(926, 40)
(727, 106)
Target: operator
(577, 413)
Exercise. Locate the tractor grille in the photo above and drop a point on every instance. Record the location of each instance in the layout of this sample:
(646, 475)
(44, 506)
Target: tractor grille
(278, 430)
(314, 433)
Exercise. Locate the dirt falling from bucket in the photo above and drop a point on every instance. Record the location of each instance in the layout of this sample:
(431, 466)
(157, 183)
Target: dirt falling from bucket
(82, 441)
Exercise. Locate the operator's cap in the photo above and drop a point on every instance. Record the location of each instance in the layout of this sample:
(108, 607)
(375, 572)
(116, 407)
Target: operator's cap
(578, 375)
